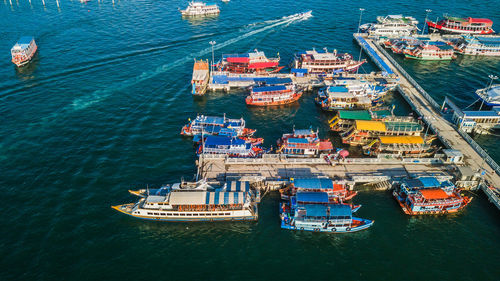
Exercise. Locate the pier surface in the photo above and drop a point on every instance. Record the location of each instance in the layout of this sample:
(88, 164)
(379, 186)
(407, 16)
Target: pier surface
(474, 156)
(275, 167)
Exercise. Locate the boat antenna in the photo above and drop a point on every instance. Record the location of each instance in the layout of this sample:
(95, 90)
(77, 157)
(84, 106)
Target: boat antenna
(147, 188)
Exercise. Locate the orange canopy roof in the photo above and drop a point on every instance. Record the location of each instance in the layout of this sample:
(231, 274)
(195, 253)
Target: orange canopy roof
(434, 193)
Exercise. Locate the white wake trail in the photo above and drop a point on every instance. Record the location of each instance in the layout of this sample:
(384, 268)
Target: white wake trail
(99, 95)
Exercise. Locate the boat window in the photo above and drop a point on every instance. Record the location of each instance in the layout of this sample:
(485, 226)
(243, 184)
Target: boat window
(162, 214)
(157, 214)
(169, 214)
(182, 214)
(195, 214)
(227, 214)
(150, 213)
(221, 214)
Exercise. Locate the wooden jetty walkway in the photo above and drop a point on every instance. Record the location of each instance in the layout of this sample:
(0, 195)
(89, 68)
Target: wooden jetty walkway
(474, 156)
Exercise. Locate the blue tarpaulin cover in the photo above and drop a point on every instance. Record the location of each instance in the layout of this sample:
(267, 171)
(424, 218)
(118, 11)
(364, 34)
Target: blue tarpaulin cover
(429, 182)
(337, 89)
(299, 70)
(268, 89)
(335, 210)
(312, 197)
(273, 80)
(213, 141)
(297, 140)
(238, 186)
(313, 183)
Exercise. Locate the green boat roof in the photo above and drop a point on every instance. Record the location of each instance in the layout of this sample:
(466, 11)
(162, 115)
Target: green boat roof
(456, 18)
(403, 126)
(355, 114)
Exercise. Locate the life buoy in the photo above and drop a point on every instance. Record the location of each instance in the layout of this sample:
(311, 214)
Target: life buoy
(334, 229)
(301, 228)
(348, 229)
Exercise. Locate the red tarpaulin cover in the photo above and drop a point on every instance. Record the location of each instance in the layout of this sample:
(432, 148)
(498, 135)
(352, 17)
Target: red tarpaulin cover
(263, 64)
(238, 59)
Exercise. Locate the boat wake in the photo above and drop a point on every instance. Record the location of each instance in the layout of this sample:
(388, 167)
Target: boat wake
(99, 95)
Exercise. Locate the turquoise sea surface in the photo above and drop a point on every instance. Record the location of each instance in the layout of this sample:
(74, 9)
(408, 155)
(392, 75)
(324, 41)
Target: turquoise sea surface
(100, 109)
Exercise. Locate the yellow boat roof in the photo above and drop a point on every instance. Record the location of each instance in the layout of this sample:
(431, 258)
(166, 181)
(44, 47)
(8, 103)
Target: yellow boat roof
(401, 139)
(366, 125)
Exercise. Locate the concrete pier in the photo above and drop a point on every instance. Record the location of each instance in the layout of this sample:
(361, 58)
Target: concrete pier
(452, 137)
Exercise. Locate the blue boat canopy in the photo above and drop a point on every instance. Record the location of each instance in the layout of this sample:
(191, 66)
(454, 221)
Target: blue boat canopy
(25, 40)
(312, 197)
(273, 80)
(429, 182)
(268, 89)
(222, 140)
(313, 183)
(299, 70)
(238, 186)
(331, 210)
(337, 89)
(297, 140)
(302, 132)
(216, 120)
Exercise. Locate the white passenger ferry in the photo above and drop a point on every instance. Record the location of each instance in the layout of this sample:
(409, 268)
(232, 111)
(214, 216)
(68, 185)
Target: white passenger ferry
(23, 51)
(200, 9)
(234, 202)
(392, 26)
(478, 45)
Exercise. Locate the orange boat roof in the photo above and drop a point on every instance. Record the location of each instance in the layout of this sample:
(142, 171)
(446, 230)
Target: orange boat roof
(338, 186)
(200, 65)
(434, 193)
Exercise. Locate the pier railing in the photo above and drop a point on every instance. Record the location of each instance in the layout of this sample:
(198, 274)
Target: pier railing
(409, 78)
(436, 106)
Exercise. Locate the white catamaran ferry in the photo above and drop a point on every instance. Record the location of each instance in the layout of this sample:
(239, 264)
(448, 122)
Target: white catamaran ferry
(200, 9)
(391, 26)
(23, 51)
(234, 202)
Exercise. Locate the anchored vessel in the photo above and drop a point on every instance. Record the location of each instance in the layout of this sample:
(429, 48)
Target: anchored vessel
(363, 131)
(216, 125)
(201, 75)
(324, 62)
(303, 143)
(322, 217)
(338, 191)
(346, 118)
(200, 9)
(350, 96)
(23, 51)
(434, 50)
(273, 95)
(478, 45)
(462, 25)
(407, 146)
(391, 26)
(190, 205)
(234, 147)
(428, 195)
(255, 62)
(490, 95)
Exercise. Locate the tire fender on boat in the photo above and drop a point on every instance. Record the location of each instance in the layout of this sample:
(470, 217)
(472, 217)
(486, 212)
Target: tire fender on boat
(348, 229)
(301, 228)
(334, 229)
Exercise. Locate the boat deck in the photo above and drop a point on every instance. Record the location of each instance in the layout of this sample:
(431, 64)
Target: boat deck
(474, 156)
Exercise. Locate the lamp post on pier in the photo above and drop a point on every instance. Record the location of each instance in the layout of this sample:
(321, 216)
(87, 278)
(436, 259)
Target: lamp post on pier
(492, 77)
(360, 16)
(212, 64)
(425, 21)
(359, 24)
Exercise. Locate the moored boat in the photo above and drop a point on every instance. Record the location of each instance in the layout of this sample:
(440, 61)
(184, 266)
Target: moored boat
(322, 218)
(461, 25)
(363, 132)
(233, 147)
(216, 125)
(432, 50)
(338, 191)
(324, 62)
(405, 146)
(303, 143)
(254, 62)
(197, 8)
(490, 95)
(392, 26)
(185, 205)
(341, 97)
(428, 195)
(199, 81)
(273, 95)
(478, 46)
(23, 51)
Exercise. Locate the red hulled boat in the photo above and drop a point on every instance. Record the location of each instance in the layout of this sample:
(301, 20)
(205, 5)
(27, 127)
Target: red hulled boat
(462, 25)
(273, 95)
(255, 62)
